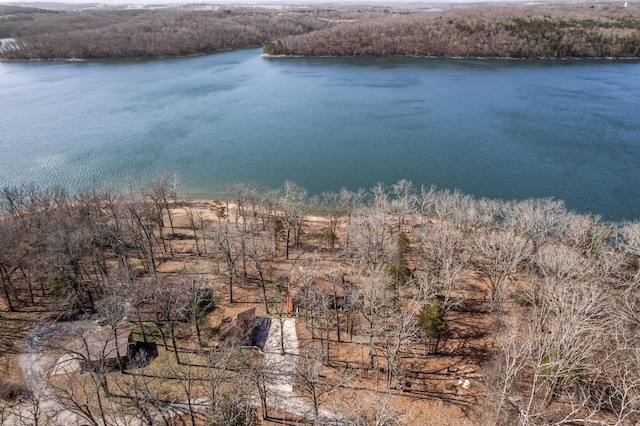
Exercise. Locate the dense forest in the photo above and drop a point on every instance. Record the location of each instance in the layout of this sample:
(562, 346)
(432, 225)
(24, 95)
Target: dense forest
(153, 33)
(568, 31)
(410, 305)
(603, 30)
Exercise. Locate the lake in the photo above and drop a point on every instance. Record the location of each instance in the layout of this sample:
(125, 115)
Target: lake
(491, 128)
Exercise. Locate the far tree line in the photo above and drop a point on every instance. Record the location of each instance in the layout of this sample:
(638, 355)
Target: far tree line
(546, 32)
(115, 34)
(560, 31)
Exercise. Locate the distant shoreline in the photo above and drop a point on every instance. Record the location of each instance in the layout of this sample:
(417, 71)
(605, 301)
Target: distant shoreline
(463, 30)
(270, 56)
(479, 58)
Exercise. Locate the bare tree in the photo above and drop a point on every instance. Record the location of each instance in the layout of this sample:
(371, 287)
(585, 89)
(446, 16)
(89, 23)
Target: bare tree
(620, 389)
(35, 413)
(261, 376)
(321, 309)
(114, 310)
(279, 299)
(375, 308)
(313, 382)
(586, 233)
(5, 277)
(350, 202)
(425, 201)
(548, 355)
(293, 205)
(261, 254)
(379, 410)
(446, 205)
(537, 219)
(630, 242)
(246, 198)
(158, 192)
(194, 223)
(228, 397)
(144, 391)
(139, 224)
(271, 217)
(372, 239)
(199, 299)
(336, 280)
(497, 257)
(330, 205)
(351, 305)
(235, 408)
(171, 305)
(440, 255)
(84, 395)
(188, 376)
(399, 333)
(403, 202)
(227, 243)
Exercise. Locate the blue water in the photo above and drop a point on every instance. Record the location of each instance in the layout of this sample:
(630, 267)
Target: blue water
(499, 129)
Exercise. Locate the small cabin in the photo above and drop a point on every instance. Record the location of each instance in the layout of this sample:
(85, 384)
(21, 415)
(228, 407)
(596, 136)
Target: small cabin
(107, 348)
(240, 328)
(245, 321)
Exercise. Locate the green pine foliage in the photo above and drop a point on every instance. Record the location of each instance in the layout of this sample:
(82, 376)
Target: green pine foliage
(397, 270)
(432, 320)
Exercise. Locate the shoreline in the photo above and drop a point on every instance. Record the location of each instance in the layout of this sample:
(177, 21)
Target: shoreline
(269, 56)
(123, 59)
(479, 58)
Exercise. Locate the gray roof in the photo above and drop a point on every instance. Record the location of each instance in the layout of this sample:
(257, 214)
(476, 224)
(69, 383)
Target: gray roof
(101, 345)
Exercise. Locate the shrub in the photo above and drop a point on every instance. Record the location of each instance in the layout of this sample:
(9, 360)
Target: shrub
(12, 391)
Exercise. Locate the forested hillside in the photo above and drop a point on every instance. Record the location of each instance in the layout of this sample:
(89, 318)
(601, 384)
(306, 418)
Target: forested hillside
(412, 305)
(567, 31)
(604, 30)
(155, 33)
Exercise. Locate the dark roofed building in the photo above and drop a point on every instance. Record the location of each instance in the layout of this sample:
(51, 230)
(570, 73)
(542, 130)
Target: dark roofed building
(245, 321)
(240, 329)
(106, 348)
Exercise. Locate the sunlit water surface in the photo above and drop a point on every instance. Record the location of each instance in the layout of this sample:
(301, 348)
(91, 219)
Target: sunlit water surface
(499, 129)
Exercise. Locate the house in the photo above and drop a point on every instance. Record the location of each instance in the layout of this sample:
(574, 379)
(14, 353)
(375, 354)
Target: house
(240, 328)
(245, 321)
(106, 348)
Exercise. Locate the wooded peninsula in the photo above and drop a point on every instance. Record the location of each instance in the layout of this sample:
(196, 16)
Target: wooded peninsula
(390, 306)
(600, 30)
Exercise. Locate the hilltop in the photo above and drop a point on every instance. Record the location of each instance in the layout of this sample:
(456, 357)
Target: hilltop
(600, 30)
